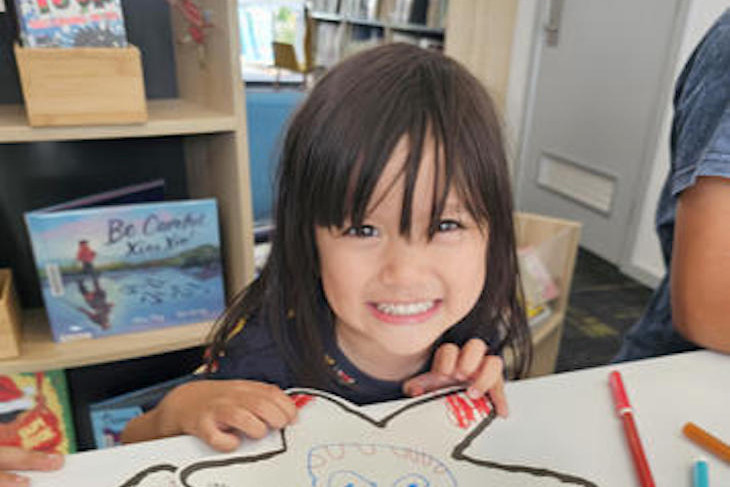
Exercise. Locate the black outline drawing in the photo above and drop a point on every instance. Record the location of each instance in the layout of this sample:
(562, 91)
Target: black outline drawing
(457, 452)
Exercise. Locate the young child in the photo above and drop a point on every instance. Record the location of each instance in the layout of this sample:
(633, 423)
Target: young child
(392, 269)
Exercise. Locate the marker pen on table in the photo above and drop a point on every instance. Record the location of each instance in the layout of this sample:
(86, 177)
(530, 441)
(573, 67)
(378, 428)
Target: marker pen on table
(623, 408)
(700, 474)
(707, 441)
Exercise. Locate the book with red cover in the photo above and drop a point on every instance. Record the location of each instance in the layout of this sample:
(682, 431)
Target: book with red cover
(35, 412)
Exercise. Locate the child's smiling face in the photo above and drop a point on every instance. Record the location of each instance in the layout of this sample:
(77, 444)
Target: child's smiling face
(394, 296)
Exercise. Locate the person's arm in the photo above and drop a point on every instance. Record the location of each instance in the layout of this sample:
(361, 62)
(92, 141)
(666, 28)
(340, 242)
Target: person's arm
(12, 458)
(700, 274)
(216, 411)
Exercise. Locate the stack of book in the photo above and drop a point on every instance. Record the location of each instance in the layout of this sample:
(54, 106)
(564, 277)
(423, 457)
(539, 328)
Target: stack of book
(71, 23)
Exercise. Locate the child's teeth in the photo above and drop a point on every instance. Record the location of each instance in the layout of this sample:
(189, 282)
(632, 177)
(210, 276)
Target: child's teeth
(405, 309)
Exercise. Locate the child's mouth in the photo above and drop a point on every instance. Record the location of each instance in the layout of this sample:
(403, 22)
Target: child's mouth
(402, 312)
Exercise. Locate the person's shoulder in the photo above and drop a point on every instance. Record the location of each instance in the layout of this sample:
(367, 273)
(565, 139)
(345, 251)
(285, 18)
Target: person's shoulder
(251, 334)
(252, 353)
(712, 56)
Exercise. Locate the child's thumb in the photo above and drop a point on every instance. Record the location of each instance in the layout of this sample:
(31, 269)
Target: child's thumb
(217, 437)
(427, 382)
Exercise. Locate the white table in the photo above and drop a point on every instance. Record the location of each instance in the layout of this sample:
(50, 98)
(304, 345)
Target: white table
(565, 420)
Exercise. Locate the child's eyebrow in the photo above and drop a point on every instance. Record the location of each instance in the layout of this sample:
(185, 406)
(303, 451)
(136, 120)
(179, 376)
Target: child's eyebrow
(454, 206)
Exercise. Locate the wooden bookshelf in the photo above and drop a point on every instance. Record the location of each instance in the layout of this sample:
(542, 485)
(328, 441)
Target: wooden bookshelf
(209, 116)
(405, 27)
(166, 117)
(40, 352)
(556, 241)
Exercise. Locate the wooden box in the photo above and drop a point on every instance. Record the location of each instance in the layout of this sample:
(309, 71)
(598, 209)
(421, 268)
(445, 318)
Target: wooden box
(9, 317)
(82, 86)
(556, 241)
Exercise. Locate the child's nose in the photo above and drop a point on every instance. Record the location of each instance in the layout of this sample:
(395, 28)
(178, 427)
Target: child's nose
(402, 263)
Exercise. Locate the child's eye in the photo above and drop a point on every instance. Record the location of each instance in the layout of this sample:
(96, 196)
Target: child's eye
(363, 231)
(449, 225)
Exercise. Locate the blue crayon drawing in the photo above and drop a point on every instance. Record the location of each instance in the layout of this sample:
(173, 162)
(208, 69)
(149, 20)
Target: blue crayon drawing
(368, 464)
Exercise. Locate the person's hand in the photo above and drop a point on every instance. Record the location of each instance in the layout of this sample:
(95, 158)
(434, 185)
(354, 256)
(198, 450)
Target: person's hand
(218, 412)
(470, 366)
(13, 458)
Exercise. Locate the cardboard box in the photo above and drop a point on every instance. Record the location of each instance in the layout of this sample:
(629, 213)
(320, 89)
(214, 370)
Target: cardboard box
(9, 317)
(82, 86)
(556, 242)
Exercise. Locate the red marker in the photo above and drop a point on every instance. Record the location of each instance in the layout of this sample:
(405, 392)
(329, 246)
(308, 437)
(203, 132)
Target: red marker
(623, 408)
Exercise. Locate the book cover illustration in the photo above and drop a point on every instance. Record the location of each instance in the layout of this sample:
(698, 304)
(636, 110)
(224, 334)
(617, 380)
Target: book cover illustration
(71, 23)
(121, 269)
(108, 425)
(110, 416)
(35, 413)
(538, 285)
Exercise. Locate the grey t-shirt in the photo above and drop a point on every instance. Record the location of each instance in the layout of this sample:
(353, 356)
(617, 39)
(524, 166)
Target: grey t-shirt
(700, 146)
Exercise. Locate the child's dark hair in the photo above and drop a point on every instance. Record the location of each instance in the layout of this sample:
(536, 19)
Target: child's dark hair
(334, 152)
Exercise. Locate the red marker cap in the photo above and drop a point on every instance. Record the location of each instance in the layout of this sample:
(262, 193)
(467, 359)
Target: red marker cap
(620, 398)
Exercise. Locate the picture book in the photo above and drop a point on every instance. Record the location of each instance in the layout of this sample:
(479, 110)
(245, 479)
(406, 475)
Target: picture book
(538, 286)
(107, 270)
(110, 416)
(35, 412)
(108, 424)
(71, 23)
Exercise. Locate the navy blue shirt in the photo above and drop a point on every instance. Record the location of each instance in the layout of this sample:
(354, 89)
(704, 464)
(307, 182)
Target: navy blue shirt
(252, 354)
(700, 146)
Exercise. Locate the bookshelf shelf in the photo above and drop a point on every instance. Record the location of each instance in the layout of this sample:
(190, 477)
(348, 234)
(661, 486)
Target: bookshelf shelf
(40, 352)
(166, 117)
(418, 29)
(209, 116)
(367, 23)
(403, 27)
(345, 31)
(327, 17)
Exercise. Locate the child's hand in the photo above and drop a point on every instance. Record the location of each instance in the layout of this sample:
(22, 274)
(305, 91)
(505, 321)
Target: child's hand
(469, 365)
(12, 458)
(218, 411)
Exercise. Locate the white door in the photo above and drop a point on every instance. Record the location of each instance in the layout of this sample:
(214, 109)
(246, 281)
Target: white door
(601, 75)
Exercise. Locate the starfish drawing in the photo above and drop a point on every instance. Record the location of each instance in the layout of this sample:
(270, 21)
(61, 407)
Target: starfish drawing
(423, 443)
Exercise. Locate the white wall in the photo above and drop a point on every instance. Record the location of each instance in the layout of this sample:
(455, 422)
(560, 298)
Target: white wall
(644, 261)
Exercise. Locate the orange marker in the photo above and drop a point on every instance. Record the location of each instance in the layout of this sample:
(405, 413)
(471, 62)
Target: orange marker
(704, 439)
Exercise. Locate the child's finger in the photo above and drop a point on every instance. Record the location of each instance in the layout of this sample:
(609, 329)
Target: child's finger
(427, 382)
(230, 419)
(471, 357)
(12, 480)
(217, 436)
(284, 402)
(499, 399)
(269, 411)
(12, 458)
(445, 358)
(490, 373)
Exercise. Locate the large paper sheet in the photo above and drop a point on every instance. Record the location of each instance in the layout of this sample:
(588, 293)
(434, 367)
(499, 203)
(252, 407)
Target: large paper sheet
(562, 430)
(417, 443)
